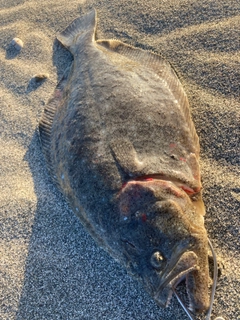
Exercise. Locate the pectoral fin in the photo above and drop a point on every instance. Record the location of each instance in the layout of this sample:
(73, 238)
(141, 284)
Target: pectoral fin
(126, 157)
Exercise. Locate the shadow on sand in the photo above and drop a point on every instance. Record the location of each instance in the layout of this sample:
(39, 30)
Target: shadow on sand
(66, 275)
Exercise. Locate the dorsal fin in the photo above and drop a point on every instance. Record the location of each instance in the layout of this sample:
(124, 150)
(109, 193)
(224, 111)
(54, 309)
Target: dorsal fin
(79, 26)
(163, 69)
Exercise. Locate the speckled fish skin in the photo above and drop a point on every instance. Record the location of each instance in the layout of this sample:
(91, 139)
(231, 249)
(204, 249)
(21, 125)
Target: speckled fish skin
(120, 144)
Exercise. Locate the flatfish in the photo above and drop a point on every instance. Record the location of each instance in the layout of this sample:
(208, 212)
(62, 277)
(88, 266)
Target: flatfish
(120, 144)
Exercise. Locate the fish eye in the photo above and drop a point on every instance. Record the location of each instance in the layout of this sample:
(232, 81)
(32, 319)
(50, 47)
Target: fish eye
(156, 260)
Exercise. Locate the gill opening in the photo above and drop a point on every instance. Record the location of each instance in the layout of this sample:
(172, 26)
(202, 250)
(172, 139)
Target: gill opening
(181, 183)
(215, 272)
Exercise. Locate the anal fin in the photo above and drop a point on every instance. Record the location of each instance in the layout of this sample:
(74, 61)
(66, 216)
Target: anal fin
(46, 123)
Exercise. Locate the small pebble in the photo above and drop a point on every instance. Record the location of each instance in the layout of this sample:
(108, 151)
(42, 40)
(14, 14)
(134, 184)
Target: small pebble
(40, 77)
(17, 43)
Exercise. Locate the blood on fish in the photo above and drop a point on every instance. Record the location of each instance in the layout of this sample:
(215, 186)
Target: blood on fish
(58, 94)
(124, 185)
(116, 213)
(187, 189)
(173, 190)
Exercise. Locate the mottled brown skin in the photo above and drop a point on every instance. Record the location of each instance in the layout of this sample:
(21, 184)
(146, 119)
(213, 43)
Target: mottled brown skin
(120, 144)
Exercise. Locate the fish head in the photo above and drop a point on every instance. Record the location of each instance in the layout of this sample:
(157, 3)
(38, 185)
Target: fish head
(164, 240)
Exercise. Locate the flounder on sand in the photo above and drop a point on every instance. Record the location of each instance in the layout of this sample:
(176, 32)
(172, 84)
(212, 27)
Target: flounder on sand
(120, 144)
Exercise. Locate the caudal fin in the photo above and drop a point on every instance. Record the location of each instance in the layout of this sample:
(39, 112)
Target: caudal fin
(79, 26)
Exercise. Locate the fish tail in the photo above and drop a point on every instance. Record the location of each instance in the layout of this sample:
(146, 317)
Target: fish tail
(85, 24)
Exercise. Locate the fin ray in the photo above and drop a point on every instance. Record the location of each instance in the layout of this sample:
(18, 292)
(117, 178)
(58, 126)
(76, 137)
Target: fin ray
(84, 24)
(46, 122)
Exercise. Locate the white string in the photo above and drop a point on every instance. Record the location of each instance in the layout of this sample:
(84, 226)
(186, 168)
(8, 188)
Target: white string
(183, 305)
(215, 272)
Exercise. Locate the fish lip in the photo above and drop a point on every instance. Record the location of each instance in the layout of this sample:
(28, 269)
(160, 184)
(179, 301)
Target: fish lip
(164, 291)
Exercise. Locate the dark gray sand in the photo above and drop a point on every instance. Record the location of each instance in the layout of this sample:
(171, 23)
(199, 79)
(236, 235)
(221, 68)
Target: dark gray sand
(50, 268)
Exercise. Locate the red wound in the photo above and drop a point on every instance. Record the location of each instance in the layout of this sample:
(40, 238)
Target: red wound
(58, 94)
(124, 185)
(187, 190)
(148, 179)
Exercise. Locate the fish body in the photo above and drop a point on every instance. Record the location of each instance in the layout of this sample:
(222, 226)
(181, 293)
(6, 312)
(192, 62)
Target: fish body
(120, 144)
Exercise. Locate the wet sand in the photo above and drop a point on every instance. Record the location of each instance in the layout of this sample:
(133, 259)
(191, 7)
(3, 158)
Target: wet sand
(50, 268)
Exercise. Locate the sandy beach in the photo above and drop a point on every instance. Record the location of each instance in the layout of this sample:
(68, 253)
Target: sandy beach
(50, 267)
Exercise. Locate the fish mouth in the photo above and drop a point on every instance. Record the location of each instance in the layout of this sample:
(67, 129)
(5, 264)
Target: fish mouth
(187, 263)
(144, 200)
